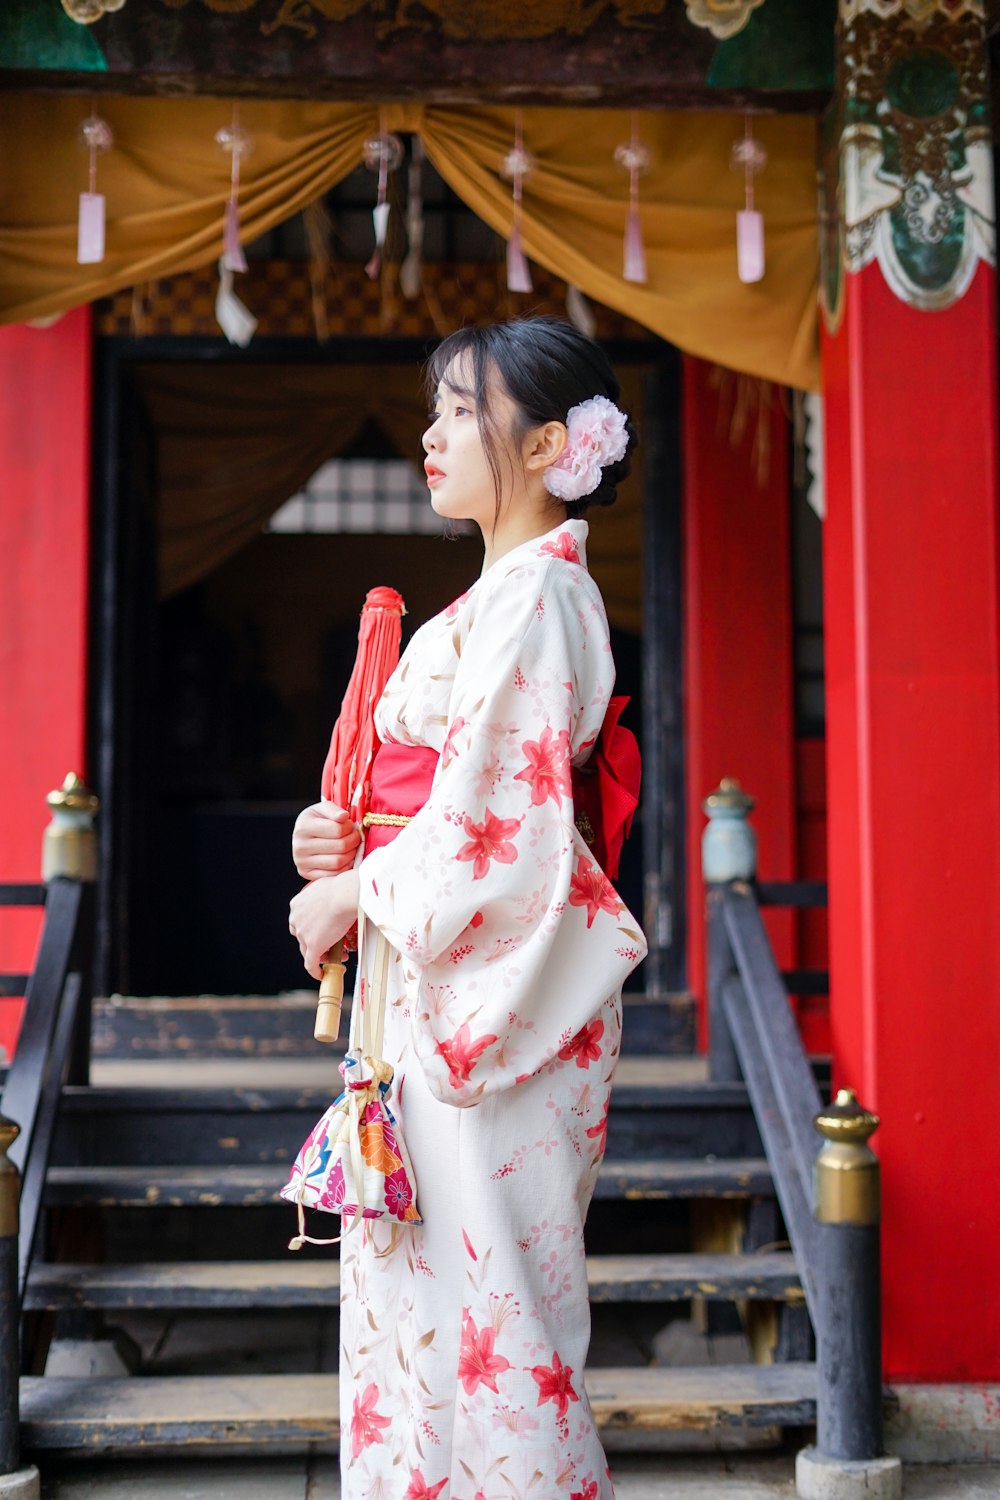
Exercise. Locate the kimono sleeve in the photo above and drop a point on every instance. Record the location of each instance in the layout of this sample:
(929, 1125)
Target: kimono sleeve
(511, 935)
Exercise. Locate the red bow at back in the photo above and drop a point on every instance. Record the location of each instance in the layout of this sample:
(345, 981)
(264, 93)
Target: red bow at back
(606, 789)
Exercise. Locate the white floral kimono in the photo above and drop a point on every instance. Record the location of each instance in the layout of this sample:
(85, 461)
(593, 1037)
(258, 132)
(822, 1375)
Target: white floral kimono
(463, 1341)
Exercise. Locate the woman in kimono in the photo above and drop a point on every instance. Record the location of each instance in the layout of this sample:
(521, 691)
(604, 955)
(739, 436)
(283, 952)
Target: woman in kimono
(464, 1340)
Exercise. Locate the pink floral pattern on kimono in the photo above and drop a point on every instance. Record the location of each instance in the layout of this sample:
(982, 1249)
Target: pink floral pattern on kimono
(467, 1337)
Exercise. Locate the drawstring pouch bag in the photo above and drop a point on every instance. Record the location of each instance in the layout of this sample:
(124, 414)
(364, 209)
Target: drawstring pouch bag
(353, 1162)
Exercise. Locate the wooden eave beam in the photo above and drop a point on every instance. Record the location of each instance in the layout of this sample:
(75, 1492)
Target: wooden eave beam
(637, 93)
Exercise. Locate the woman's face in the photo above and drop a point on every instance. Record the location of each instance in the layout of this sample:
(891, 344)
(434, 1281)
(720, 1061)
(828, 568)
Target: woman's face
(458, 472)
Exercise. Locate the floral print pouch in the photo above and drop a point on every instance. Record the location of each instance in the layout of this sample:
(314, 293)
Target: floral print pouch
(354, 1162)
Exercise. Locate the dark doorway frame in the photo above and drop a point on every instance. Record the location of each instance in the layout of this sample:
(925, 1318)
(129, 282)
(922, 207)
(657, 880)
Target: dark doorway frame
(122, 571)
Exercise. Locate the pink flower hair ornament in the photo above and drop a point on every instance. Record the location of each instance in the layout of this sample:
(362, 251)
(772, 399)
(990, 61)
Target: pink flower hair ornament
(598, 436)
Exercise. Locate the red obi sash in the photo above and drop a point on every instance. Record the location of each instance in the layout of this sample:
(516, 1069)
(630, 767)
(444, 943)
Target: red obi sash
(605, 790)
(401, 784)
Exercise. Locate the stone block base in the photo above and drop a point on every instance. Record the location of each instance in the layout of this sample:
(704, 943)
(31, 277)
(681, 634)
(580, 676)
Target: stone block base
(820, 1478)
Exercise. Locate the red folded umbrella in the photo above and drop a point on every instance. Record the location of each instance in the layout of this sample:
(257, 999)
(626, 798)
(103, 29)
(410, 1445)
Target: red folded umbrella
(348, 768)
(347, 772)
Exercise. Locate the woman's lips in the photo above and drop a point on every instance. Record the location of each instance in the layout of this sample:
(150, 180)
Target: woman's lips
(434, 474)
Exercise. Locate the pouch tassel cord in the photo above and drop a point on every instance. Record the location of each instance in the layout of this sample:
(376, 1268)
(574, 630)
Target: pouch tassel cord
(361, 1095)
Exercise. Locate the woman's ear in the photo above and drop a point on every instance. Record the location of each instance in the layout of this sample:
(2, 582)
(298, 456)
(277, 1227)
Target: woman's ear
(544, 445)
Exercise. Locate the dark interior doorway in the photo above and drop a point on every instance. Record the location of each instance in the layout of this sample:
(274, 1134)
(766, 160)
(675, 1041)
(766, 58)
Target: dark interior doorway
(213, 705)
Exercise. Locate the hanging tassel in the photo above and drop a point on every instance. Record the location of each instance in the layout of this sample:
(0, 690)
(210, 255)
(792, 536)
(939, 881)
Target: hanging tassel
(382, 153)
(634, 260)
(516, 166)
(518, 275)
(411, 271)
(95, 135)
(749, 154)
(236, 320)
(635, 159)
(237, 144)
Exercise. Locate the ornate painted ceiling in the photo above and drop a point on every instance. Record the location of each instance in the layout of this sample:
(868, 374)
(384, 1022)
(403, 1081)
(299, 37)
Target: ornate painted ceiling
(676, 53)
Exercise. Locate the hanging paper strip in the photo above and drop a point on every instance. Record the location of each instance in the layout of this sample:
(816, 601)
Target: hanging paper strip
(750, 155)
(233, 316)
(95, 135)
(516, 166)
(634, 157)
(381, 153)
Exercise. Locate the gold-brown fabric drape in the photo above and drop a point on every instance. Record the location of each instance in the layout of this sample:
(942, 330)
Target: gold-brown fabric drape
(166, 183)
(574, 210)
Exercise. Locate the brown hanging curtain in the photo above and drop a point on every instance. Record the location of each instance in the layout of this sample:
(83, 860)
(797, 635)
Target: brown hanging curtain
(231, 451)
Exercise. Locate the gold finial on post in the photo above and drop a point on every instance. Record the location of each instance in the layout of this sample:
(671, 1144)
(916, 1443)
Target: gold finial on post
(846, 1181)
(10, 1181)
(69, 845)
(728, 842)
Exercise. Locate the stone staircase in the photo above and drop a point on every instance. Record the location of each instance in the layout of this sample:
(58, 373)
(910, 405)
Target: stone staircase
(161, 1204)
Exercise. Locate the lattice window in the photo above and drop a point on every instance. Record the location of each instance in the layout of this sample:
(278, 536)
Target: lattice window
(363, 496)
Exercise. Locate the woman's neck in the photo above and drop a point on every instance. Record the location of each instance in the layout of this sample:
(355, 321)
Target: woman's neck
(517, 527)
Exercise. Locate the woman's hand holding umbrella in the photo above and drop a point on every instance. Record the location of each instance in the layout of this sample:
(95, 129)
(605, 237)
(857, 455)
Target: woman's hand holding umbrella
(319, 911)
(321, 915)
(324, 841)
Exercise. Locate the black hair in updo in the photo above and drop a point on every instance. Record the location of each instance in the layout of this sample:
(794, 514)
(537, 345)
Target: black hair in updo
(546, 366)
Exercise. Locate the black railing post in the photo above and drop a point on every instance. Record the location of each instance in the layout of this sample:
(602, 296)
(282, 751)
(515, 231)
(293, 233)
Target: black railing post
(728, 853)
(848, 1458)
(69, 852)
(15, 1482)
(10, 1192)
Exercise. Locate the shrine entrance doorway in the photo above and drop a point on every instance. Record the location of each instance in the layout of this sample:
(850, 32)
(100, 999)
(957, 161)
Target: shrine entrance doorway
(245, 503)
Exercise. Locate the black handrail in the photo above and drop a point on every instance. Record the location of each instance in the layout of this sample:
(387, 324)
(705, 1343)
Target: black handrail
(828, 1192)
(54, 1039)
(44, 1046)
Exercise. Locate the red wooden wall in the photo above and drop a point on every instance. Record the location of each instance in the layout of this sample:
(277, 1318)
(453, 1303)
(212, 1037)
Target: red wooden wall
(44, 543)
(738, 682)
(913, 722)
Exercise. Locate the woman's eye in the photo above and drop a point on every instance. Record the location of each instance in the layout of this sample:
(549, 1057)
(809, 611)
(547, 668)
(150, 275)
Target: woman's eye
(432, 416)
(462, 411)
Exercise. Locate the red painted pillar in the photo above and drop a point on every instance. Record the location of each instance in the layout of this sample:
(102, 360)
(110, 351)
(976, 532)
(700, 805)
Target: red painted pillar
(913, 715)
(738, 687)
(44, 512)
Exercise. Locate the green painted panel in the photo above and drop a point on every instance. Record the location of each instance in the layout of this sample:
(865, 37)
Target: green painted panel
(39, 34)
(784, 45)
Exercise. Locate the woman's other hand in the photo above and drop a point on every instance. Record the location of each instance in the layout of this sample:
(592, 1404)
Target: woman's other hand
(324, 841)
(321, 914)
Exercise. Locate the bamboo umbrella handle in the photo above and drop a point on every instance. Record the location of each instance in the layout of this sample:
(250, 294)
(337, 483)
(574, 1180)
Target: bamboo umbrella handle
(331, 995)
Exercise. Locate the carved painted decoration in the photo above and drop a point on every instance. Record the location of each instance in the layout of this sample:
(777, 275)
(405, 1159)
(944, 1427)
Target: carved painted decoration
(723, 18)
(910, 150)
(627, 53)
(481, 19)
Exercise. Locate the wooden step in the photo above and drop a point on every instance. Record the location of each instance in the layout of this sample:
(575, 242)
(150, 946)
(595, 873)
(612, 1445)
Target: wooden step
(254, 1085)
(267, 1410)
(282, 1025)
(214, 1186)
(259, 1110)
(316, 1283)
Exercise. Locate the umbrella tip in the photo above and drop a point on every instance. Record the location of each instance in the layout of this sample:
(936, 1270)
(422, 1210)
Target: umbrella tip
(385, 598)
